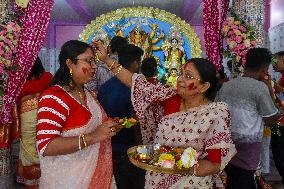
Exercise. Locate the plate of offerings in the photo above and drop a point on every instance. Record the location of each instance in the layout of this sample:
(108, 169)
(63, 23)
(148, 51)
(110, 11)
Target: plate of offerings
(163, 159)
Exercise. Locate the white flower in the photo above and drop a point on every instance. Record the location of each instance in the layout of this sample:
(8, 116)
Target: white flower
(189, 157)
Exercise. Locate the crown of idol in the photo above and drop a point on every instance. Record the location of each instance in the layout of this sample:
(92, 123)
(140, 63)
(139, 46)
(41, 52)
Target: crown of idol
(175, 34)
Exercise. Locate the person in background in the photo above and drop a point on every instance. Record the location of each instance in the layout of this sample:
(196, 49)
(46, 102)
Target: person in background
(115, 98)
(277, 138)
(251, 106)
(103, 74)
(149, 69)
(73, 131)
(221, 75)
(37, 81)
(195, 121)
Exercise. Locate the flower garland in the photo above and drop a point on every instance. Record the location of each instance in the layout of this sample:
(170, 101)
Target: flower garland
(240, 37)
(214, 13)
(9, 35)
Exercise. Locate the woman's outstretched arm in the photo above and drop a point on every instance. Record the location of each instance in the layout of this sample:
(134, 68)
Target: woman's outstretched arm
(121, 73)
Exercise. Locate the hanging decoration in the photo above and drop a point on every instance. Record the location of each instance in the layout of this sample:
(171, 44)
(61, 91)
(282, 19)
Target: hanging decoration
(214, 13)
(4, 9)
(9, 36)
(239, 37)
(276, 36)
(159, 33)
(34, 21)
(253, 13)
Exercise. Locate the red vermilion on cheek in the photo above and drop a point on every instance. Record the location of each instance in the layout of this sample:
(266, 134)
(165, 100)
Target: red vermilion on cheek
(85, 70)
(190, 86)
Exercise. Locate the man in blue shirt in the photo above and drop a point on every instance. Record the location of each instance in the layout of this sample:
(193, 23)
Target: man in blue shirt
(115, 98)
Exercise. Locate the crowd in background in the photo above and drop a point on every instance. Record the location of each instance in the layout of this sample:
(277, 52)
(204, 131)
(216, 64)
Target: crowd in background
(68, 121)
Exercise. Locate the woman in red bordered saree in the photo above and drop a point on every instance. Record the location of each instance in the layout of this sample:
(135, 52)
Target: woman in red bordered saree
(190, 119)
(29, 168)
(73, 131)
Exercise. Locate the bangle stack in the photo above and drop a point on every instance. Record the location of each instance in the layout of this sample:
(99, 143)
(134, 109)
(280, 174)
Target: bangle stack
(85, 145)
(111, 66)
(118, 70)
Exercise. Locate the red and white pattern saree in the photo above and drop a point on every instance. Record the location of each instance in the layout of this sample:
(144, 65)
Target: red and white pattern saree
(59, 114)
(203, 128)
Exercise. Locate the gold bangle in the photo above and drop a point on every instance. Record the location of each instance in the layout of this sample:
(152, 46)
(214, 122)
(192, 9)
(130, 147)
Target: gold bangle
(80, 148)
(111, 66)
(117, 66)
(119, 69)
(84, 141)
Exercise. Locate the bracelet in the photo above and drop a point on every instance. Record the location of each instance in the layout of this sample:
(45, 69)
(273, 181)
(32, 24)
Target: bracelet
(84, 141)
(111, 66)
(80, 148)
(117, 66)
(119, 69)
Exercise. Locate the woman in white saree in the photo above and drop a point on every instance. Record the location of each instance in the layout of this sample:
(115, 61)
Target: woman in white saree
(73, 131)
(193, 120)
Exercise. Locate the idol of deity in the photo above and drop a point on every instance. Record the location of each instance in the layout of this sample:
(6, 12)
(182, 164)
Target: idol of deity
(174, 54)
(118, 31)
(138, 37)
(152, 40)
(172, 79)
(173, 50)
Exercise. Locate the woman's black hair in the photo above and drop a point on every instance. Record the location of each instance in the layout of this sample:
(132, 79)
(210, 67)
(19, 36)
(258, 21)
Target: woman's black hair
(70, 50)
(221, 72)
(36, 70)
(149, 67)
(207, 72)
(171, 69)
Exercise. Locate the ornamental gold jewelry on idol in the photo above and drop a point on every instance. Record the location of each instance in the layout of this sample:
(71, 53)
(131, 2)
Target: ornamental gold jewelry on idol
(111, 129)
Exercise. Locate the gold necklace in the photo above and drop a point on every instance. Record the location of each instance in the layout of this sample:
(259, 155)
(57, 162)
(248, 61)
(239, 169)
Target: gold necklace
(203, 102)
(81, 95)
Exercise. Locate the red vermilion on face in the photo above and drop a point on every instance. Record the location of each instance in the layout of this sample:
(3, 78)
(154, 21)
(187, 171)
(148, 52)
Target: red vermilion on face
(186, 65)
(191, 87)
(85, 70)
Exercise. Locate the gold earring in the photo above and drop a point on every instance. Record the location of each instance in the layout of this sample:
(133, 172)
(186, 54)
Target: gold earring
(71, 72)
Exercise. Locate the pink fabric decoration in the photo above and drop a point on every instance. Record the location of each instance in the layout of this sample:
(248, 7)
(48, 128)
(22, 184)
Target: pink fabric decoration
(214, 14)
(34, 24)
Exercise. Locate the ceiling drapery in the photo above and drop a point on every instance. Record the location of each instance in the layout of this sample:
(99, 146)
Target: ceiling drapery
(81, 8)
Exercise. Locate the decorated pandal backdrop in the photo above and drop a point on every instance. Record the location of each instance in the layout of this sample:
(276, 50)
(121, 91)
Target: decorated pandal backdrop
(160, 34)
